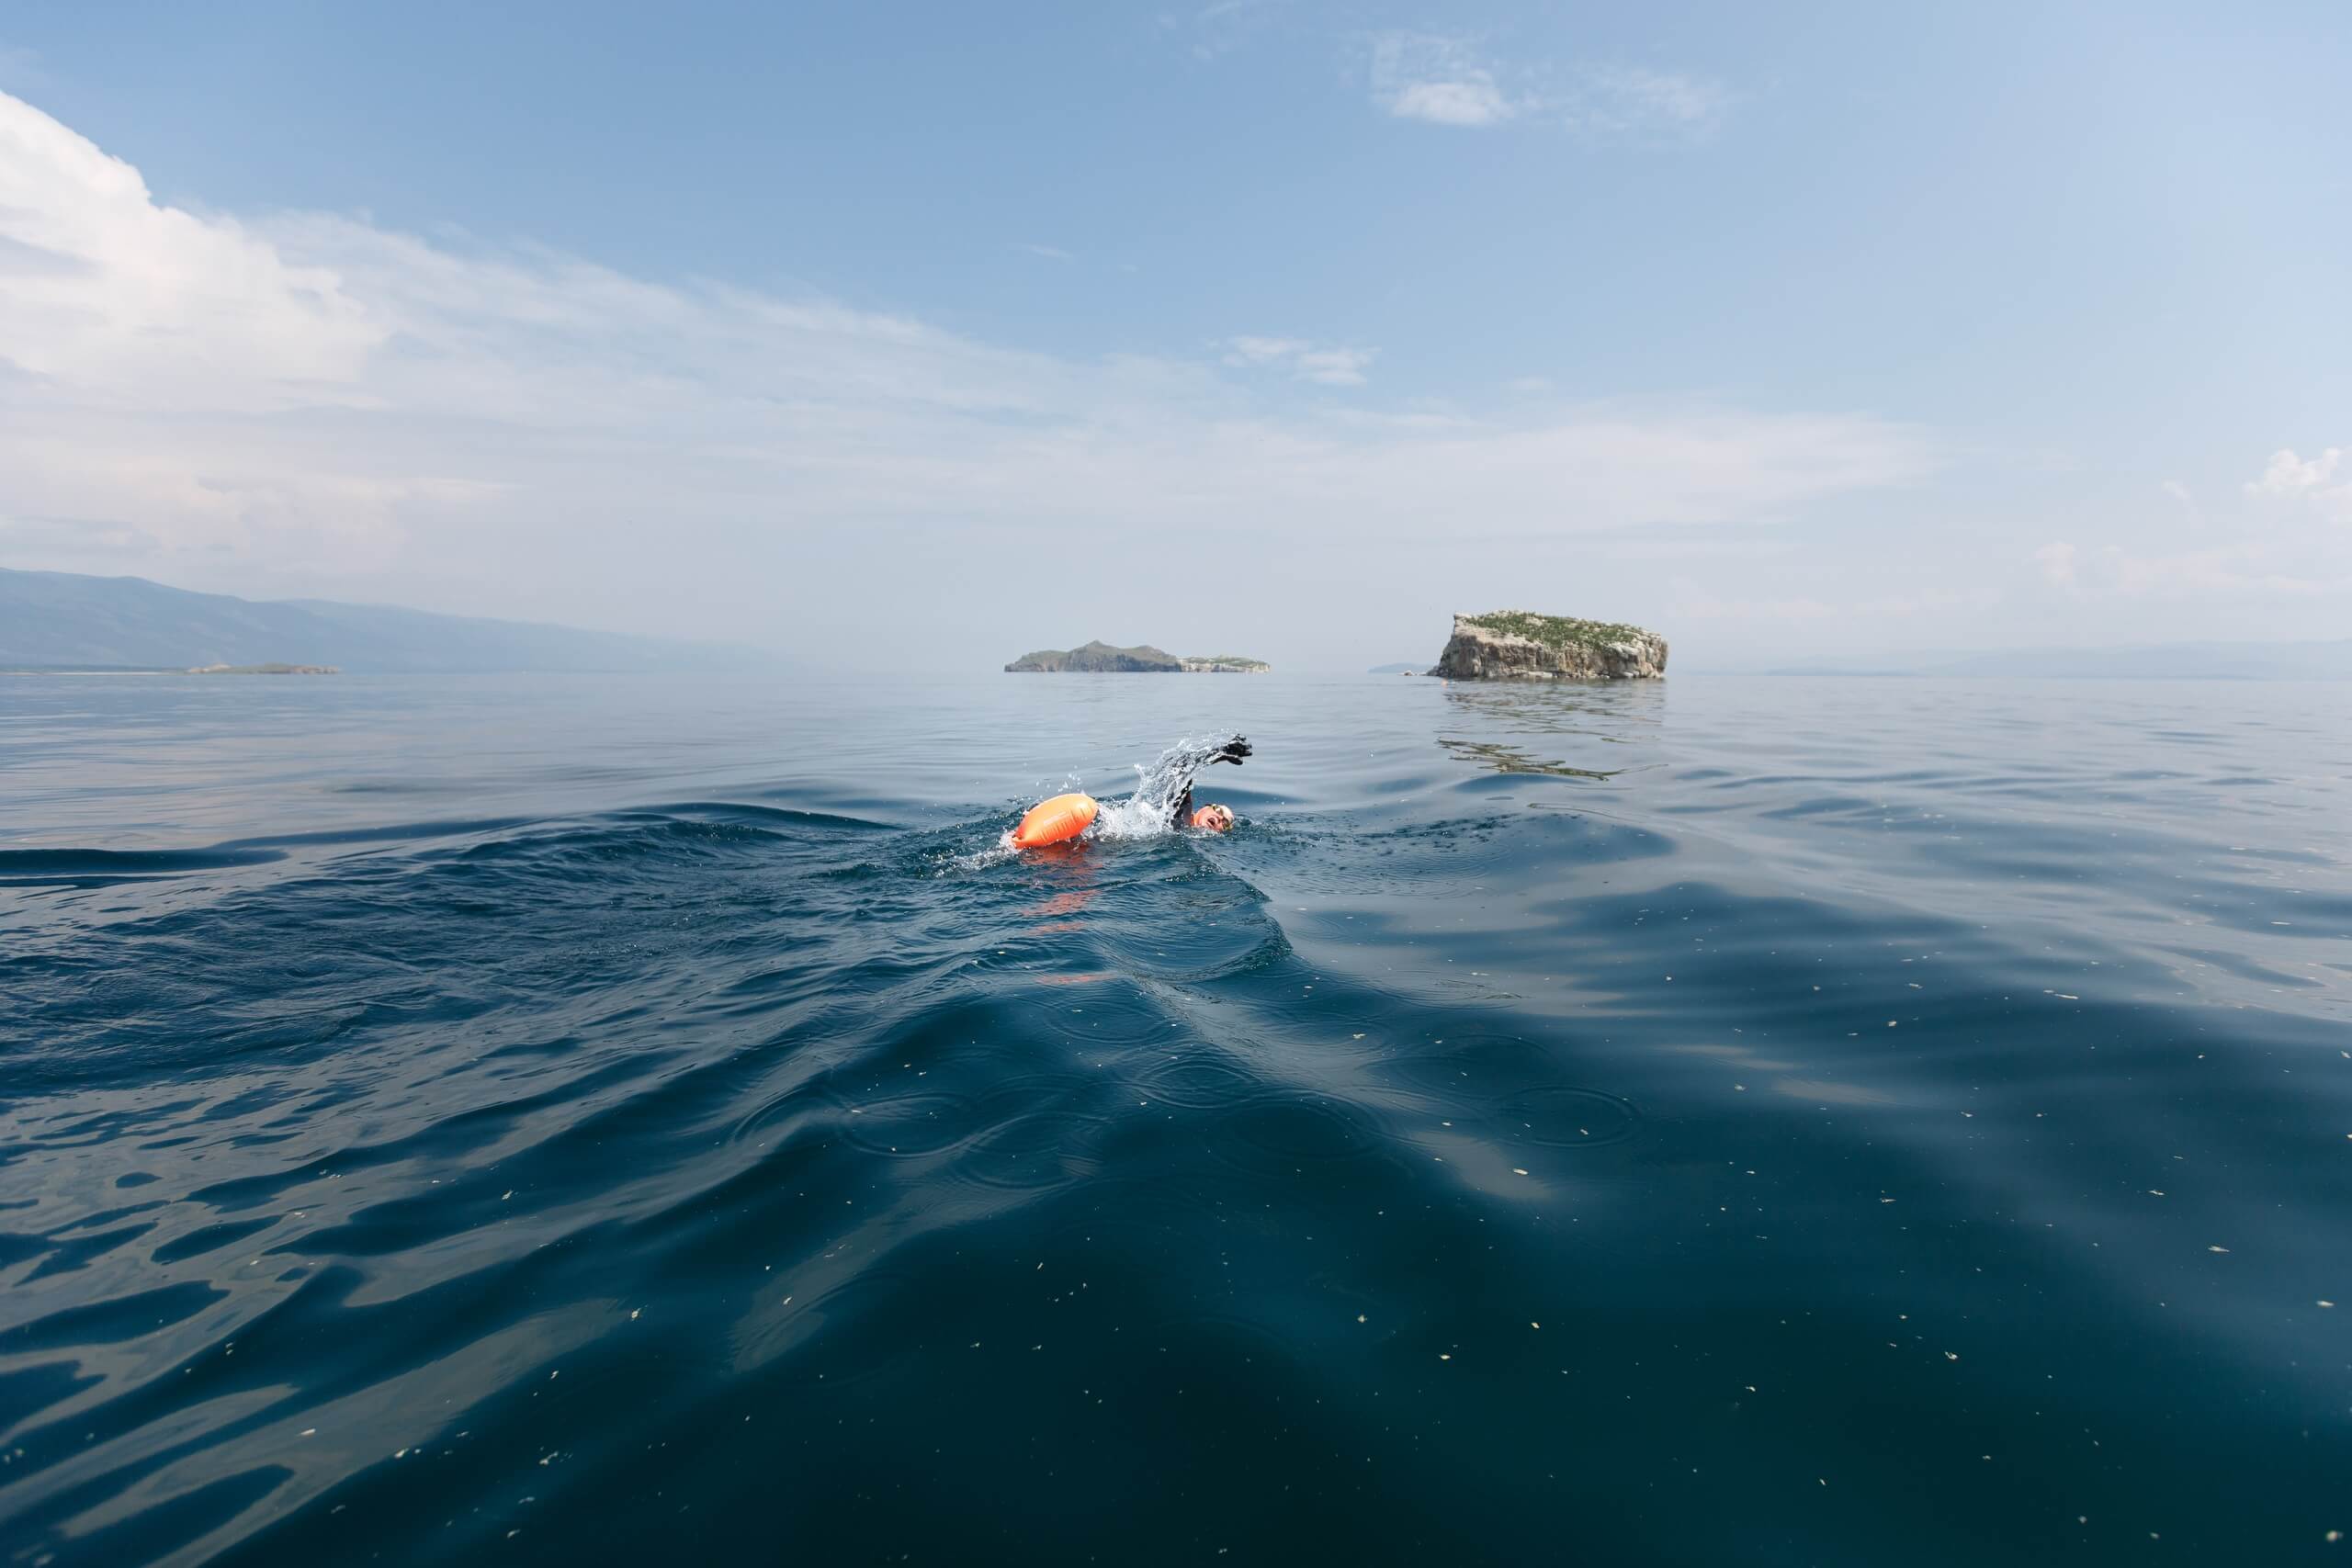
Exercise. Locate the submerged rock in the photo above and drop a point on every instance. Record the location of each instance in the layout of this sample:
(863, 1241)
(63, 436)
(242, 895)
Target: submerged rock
(1519, 645)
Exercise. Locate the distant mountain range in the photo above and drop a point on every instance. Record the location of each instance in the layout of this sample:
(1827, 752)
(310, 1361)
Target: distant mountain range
(55, 620)
(2159, 662)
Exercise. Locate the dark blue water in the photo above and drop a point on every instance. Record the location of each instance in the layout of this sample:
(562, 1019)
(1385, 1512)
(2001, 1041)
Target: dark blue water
(1772, 1122)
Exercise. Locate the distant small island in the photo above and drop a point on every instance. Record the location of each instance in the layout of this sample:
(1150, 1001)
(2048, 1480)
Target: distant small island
(1100, 658)
(265, 670)
(169, 670)
(1519, 645)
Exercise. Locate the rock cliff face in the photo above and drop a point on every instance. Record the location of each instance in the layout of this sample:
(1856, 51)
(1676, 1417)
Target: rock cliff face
(1518, 645)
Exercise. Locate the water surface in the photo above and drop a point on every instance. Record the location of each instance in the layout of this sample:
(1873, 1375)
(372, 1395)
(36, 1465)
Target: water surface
(1775, 1120)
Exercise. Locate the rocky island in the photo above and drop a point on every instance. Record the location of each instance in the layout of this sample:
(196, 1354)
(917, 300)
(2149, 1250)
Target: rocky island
(1096, 658)
(265, 670)
(1518, 645)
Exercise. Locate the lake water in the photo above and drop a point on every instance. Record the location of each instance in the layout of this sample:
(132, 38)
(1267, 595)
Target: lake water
(1827, 1122)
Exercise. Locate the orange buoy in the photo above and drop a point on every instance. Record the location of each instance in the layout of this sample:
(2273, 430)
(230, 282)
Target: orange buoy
(1052, 821)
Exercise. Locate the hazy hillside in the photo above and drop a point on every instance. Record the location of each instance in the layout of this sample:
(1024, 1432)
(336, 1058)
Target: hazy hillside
(60, 620)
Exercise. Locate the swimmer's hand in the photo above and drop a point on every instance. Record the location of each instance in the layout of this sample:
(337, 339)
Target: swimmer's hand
(1235, 749)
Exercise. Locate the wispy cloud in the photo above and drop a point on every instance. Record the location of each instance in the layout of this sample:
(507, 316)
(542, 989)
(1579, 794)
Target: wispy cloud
(1046, 253)
(2179, 491)
(1219, 28)
(2249, 569)
(1441, 80)
(2059, 562)
(1308, 361)
(2290, 544)
(1628, 100)
(1450, 80)
(311, 398)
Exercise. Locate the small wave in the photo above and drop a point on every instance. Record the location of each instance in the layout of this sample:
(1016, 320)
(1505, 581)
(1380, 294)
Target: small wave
(776, 816)
(89, 868)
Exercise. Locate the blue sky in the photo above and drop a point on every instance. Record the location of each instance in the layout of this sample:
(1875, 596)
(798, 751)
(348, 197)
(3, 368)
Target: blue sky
(1287, 328)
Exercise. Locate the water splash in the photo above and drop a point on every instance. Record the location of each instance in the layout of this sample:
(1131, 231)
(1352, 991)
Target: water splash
(1150, 811)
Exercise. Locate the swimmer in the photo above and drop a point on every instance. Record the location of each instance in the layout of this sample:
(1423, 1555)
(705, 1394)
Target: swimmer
(1167, 788)
(1212, 817)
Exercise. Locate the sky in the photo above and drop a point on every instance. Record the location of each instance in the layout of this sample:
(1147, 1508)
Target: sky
(923, 335)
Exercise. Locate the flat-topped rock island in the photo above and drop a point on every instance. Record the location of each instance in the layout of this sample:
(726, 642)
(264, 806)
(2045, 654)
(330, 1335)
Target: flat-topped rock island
(1519, 645)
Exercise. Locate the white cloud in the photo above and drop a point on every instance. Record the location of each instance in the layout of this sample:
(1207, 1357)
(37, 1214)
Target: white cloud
(1261, 349)
(1335, 367)
(1441, 80)
(1446, 80)
(111, 295)
(295, 403)
(2286, 550)
(1466, 101)
(2291, 477)
(1328, 366)
(1049, 252)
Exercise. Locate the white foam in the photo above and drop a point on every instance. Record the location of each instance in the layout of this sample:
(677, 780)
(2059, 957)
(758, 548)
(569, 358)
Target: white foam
(971, 860)
(1150, 811)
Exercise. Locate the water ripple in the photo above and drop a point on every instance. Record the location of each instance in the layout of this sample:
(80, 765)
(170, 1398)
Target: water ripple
(1799, 1121)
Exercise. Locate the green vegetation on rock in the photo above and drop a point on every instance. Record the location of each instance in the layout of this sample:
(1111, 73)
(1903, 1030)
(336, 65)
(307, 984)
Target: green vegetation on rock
(1097, 658)
(1556, 631)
